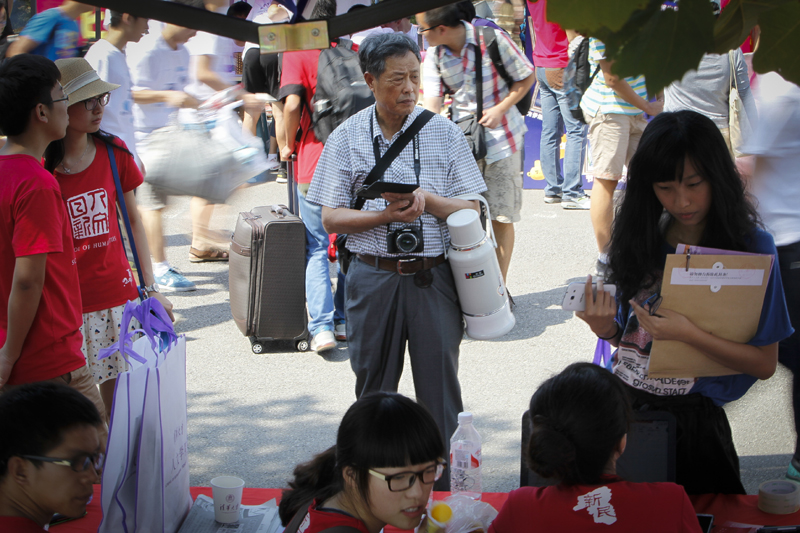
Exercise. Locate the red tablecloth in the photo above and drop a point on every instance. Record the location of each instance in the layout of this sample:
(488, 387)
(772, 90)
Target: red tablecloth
(724, 507)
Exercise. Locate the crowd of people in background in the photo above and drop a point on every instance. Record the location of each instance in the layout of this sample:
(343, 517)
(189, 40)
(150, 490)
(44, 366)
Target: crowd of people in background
(76, 129)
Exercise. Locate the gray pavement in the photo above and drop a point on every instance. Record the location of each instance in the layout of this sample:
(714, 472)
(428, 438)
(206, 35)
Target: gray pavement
(257, 416)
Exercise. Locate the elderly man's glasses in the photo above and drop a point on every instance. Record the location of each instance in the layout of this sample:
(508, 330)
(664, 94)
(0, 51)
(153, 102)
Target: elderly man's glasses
(405, 480)
(77, 465)
(91, 103)
(423, 30)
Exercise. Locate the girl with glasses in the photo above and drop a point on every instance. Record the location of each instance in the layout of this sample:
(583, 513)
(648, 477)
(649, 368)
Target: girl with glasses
(683, 187)
(579, 424)
(388, 454)
(82, 167)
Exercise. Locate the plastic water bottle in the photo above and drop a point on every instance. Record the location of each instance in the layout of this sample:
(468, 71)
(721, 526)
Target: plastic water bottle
(465, 459)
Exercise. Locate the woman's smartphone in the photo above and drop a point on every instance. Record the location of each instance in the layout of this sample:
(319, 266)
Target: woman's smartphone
(574, 299)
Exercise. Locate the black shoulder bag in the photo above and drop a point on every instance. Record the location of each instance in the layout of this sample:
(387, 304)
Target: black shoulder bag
(375, 174)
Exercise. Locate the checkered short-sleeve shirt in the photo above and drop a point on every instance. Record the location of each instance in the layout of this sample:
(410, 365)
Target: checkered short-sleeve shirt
(458, 74)
(447, 169)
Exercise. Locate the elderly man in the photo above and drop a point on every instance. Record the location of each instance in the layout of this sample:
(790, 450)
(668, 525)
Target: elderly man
(397, 298)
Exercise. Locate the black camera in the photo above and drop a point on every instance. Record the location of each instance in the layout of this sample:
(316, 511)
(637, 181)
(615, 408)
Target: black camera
(405, 240)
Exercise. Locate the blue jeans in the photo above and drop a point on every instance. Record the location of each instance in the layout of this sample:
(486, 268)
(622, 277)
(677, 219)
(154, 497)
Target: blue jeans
(325, 310)
(556, 115)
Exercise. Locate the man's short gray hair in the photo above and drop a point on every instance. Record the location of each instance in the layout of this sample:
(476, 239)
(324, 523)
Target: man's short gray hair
(376, 48)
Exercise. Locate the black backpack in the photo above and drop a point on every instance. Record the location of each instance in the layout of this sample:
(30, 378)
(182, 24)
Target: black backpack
(341, 89)
(577, 78)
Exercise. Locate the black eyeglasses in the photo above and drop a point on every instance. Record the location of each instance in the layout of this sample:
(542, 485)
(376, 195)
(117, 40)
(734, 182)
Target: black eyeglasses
(405, 480)
(66, 98)
(77, 465)
(91, 103)
(423, 30)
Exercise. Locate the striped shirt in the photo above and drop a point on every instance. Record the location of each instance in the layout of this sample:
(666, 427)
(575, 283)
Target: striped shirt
(447, 169)
(599, 97)
(458, 73)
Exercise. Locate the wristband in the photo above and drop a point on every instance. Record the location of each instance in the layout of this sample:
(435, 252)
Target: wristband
(616, 332)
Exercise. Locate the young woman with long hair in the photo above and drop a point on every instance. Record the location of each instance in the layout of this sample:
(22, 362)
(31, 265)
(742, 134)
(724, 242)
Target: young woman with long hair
(388, 453)
(683, 187)
(81, 165)
(579, 425)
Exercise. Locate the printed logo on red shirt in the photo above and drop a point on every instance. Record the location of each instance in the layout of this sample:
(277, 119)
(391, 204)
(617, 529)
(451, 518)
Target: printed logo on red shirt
(598, 504)
(88, 213)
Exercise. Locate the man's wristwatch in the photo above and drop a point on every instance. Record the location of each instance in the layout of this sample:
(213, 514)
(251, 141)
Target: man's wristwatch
(151, 288)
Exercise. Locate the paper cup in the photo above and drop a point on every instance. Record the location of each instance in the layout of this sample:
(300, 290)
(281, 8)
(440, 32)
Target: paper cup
(227, 492)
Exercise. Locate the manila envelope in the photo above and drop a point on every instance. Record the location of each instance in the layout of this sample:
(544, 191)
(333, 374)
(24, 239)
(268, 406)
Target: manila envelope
(732, 313)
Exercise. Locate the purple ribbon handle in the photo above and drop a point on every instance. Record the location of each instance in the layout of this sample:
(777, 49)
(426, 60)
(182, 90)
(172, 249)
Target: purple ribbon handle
(156, 326)
(602, 353)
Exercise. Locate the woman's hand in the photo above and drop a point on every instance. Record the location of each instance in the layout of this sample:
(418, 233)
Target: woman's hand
(600, 311)
(164, 302)
(665, 326)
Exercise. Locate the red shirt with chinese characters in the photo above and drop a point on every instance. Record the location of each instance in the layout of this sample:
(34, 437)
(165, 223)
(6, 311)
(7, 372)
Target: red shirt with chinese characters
(32, 222)
(91, 200)
(617, 506)
(321, 519)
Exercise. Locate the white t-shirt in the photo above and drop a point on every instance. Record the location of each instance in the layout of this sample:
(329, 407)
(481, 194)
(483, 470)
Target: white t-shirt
(221, 50)
(157, 68)
(111, 66)
(259, 8)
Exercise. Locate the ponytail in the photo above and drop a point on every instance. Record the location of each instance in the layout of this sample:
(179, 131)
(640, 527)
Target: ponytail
(318, 479)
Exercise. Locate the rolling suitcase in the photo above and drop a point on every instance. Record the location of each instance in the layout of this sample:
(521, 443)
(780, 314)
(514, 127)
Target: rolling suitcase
(267, 277)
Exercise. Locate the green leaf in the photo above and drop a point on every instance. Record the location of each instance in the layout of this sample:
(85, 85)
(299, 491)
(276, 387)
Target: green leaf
(666, 43)
(780, 41)
(586, 16)
(737, 20)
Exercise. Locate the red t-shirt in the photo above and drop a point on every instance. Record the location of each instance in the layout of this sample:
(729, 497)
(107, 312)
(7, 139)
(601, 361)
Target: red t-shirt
(615, 507)
(91, 201)
(19, 524)
(550, 50)
(33, 221)
(299, 76)
(320, 520)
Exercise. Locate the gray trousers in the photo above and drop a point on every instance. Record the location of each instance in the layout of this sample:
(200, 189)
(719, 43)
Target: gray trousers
(386, 311)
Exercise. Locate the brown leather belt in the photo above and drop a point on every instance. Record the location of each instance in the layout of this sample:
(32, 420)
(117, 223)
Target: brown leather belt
(404, 267)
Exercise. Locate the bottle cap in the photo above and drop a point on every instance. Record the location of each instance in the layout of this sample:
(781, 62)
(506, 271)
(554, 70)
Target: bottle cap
(465, 418)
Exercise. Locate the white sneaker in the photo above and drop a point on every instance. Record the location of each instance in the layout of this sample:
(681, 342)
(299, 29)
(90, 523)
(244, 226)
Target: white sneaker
(582, 202)
(323, 341)
(340, 332)
(273, 164)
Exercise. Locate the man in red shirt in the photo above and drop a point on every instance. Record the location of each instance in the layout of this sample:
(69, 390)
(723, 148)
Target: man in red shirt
(40, 306)
(550, 57)
(49, 455)
(298, 86)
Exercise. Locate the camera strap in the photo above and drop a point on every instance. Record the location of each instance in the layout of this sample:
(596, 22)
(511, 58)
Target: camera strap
(383, 163)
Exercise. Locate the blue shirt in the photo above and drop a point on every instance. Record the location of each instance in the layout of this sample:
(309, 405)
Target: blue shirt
(773, 326)
(56, 34)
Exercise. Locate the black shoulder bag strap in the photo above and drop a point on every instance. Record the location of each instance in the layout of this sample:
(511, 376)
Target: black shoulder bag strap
(300, 515)
(391, 154)
(124, 210)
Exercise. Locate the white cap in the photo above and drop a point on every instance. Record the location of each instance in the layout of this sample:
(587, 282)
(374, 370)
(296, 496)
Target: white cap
(465, 418)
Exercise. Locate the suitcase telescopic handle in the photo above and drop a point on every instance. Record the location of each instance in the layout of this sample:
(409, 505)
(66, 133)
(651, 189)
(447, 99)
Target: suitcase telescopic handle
(279, 210)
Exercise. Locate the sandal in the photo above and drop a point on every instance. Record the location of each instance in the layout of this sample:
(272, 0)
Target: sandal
(203, 256)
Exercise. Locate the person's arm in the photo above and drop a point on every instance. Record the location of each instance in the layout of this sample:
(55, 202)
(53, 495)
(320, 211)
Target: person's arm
(757, 361)
(291, 123)
(344, 220)
(22, 45)
(626, 92)
(600, 313)
(143, 251)
(433, 96)
(23, 302)
(494, 115)
(433, 103)
(171, 98)
(205, 74)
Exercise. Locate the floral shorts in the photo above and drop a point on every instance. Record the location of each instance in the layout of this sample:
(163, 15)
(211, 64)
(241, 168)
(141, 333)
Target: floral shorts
(100, 330)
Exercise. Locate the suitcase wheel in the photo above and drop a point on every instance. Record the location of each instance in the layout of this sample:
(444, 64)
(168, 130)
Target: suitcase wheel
(301, 345)
(257, 347)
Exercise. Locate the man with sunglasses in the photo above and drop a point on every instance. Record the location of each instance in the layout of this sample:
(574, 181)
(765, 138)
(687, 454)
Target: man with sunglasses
(49, 455)
(40, 310)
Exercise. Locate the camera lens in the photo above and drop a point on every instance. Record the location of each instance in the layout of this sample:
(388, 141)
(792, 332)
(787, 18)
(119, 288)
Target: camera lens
(406, 242)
